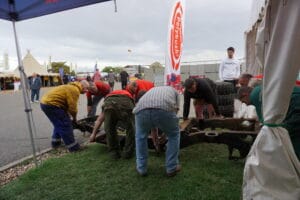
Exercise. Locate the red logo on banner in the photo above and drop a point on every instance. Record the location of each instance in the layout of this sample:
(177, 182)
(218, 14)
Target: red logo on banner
(176, 36)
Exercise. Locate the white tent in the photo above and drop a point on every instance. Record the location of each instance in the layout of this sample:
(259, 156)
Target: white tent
(253, 65)
(272, 170)
(31, 65)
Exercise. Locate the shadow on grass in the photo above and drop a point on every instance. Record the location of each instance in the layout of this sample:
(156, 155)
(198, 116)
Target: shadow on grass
(91, 174)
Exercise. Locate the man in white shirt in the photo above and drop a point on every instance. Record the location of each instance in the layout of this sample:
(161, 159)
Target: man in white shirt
(230, 69)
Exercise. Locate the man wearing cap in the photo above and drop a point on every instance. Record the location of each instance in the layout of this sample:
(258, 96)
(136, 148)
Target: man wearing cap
(59, 104)
(117, 107)
(96, 91)
(203, 93)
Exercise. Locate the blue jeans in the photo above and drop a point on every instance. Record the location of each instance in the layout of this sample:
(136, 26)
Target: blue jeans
(35, 93)
(165, 121)
(62, 127)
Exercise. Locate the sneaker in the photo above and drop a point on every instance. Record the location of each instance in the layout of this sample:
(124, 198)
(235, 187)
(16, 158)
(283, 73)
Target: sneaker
(37, 101)
(79, 149)
(173, 173)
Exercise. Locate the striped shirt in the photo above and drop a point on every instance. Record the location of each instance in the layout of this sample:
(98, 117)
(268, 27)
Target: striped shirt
(164, 97)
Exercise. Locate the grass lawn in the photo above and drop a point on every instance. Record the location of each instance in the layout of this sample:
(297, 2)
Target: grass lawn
(91, 174)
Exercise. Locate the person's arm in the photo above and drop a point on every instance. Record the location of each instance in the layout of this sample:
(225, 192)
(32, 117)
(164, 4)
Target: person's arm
(89, 102)
(221, 71)
(97, 125)
(72, 100)
(210, 97)
(186, 105)
(177, 99)
(41, 83)
(238, 70)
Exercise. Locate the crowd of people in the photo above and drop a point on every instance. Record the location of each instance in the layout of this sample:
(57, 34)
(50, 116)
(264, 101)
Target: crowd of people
(142, 109)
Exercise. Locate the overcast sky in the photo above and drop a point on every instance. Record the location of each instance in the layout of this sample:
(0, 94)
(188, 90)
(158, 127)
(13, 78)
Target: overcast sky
(96, 33)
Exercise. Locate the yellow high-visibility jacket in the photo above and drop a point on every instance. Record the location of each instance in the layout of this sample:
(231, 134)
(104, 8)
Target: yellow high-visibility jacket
(64, 96)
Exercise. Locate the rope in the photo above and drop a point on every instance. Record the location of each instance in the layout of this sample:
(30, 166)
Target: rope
(273, 125)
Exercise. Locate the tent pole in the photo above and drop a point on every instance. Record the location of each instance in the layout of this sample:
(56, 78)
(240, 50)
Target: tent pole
(115, 2)
(24, 83)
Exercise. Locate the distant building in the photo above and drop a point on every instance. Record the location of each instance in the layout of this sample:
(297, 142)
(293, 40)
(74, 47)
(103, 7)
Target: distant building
(206, 68)
(134, 69)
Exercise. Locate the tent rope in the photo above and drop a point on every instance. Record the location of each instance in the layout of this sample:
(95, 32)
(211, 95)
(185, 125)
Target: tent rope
(273, 125)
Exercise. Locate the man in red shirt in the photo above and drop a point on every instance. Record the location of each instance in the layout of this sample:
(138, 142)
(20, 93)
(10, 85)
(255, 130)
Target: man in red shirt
(96, 91)
(137, 86)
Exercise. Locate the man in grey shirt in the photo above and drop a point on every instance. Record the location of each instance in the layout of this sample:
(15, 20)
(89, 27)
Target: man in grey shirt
(158, 108)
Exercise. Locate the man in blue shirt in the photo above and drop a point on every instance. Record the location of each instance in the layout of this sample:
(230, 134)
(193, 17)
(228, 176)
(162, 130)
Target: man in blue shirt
(35, 86)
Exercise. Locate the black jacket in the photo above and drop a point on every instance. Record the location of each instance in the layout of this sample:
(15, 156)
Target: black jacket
(204, 91)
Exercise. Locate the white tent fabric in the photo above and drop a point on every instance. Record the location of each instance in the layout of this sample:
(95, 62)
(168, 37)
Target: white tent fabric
(256, 12)
(31, 66)
(253, 63)
(272, 170)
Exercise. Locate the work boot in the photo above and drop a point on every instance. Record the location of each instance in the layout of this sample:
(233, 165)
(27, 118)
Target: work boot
(75, 148)
(127, 155)
(173, 173)
(55, 144)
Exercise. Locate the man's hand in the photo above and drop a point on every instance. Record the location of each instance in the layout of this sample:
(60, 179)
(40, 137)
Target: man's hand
(93, 137)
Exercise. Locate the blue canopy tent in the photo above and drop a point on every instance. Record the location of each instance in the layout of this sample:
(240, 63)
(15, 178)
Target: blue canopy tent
(17, 10)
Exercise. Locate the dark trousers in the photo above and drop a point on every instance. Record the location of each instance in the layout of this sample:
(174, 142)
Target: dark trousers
(111, 84)
(233, 82)
(63, 128)
(124, 83)
(35, 93)
(95, 101)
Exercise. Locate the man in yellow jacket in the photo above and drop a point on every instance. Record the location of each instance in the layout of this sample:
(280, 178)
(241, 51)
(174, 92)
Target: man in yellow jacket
(59, 104)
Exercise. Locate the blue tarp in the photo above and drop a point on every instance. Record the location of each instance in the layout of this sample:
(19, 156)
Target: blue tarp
(17, 10)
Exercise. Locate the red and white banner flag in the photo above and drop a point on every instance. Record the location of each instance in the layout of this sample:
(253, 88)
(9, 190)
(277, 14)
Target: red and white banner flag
(175, 45)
